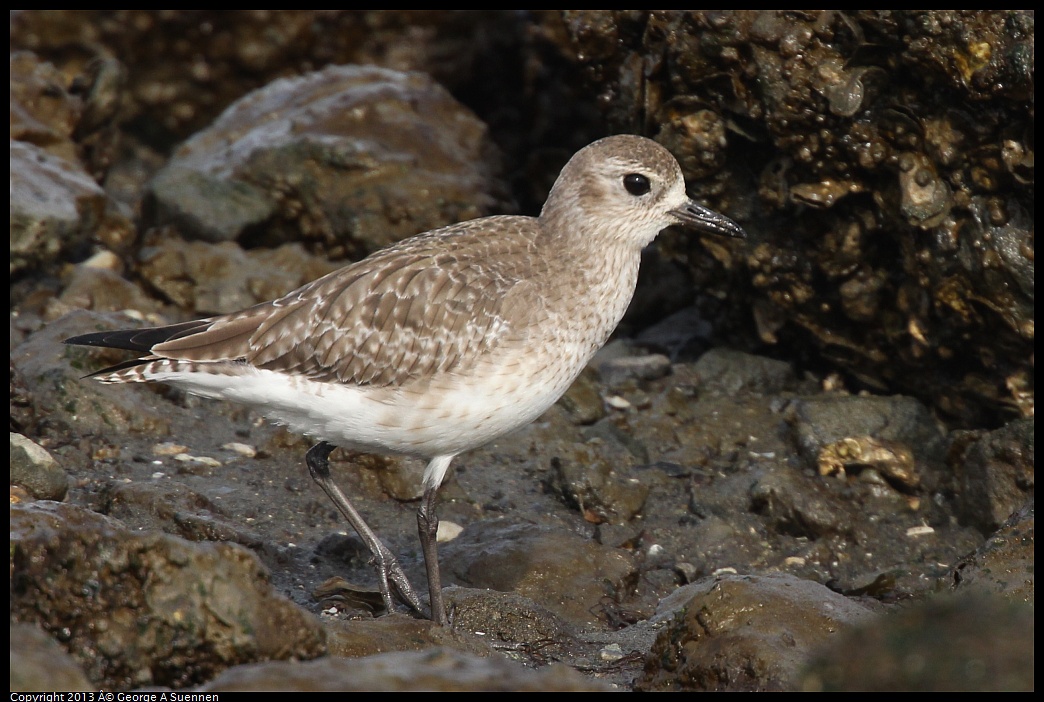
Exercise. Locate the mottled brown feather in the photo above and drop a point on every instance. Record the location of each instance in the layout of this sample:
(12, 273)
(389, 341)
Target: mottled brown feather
(430, 305)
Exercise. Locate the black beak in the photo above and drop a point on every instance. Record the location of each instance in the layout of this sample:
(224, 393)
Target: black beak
(703, 219)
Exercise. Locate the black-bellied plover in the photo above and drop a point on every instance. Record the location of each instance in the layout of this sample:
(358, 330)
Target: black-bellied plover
(442, 342)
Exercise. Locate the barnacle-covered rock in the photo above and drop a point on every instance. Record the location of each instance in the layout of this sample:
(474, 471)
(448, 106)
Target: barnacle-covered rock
(883, 163)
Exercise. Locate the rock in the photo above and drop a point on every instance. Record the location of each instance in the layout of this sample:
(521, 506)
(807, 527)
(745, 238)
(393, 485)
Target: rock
(39, 663)
(742, 632)
(1004, 564)
(35, 470)
(564, 573)
(996, 475)
(436, 669)
(946, 643)
(355, 157)
(55, 207)
(147, 609)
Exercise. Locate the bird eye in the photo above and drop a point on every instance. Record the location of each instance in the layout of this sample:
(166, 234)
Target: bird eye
(636, 183)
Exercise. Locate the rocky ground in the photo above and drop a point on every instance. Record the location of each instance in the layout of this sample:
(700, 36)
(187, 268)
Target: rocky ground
(806, 461)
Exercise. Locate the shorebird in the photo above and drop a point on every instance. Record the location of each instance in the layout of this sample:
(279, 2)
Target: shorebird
(442, 342)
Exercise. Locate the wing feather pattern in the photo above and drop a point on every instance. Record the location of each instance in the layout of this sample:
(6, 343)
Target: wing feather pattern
(430, 305)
